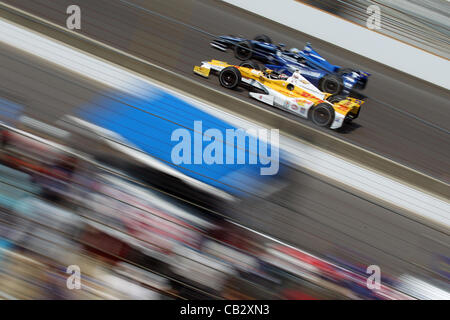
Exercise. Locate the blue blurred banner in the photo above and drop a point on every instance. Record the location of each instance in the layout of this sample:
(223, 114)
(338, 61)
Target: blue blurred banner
(148, 121)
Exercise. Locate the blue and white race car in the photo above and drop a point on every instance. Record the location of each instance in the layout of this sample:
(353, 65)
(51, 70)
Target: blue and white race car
(326, 76)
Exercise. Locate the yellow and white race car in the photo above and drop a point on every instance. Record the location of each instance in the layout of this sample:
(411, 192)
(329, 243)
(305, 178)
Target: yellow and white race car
(294, 94)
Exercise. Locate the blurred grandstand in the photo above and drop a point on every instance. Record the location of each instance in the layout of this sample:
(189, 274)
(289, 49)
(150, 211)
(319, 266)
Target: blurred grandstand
(131, 240)
(422, 23)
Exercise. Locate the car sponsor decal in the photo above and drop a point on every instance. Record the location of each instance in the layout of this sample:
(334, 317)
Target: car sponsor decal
(303, 102)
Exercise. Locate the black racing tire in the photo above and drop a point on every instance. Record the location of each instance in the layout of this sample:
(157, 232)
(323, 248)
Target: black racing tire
(230, 77)
(322, 115)
(243, 50)
(250, 64)
(336, 98)
(331, 83)
(263, 38)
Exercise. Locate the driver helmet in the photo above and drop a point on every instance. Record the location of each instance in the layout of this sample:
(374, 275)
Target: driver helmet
(294, 50)
(296, 74)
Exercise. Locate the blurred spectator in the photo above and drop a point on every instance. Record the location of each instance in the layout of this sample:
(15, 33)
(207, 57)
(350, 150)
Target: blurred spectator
(56, 211)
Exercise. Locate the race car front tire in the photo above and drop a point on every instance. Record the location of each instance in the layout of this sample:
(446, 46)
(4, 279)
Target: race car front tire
(243, 50)
(263, 38)
(230, 77)
(250, 64)
(322, 115)
(331, 83)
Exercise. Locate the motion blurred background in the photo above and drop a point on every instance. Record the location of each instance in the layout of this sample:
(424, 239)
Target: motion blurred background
(84, 181)
(422, 23)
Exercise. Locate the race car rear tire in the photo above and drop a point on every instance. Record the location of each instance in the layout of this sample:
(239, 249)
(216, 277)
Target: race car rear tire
(230, 77)
(250, 64)
(322, 115)
(243, 50)
(263, 38)
(331, 83)
(336, 98)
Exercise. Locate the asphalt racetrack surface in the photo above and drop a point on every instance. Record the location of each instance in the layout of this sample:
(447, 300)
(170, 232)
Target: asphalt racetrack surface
(395, 122)
(311, 213)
